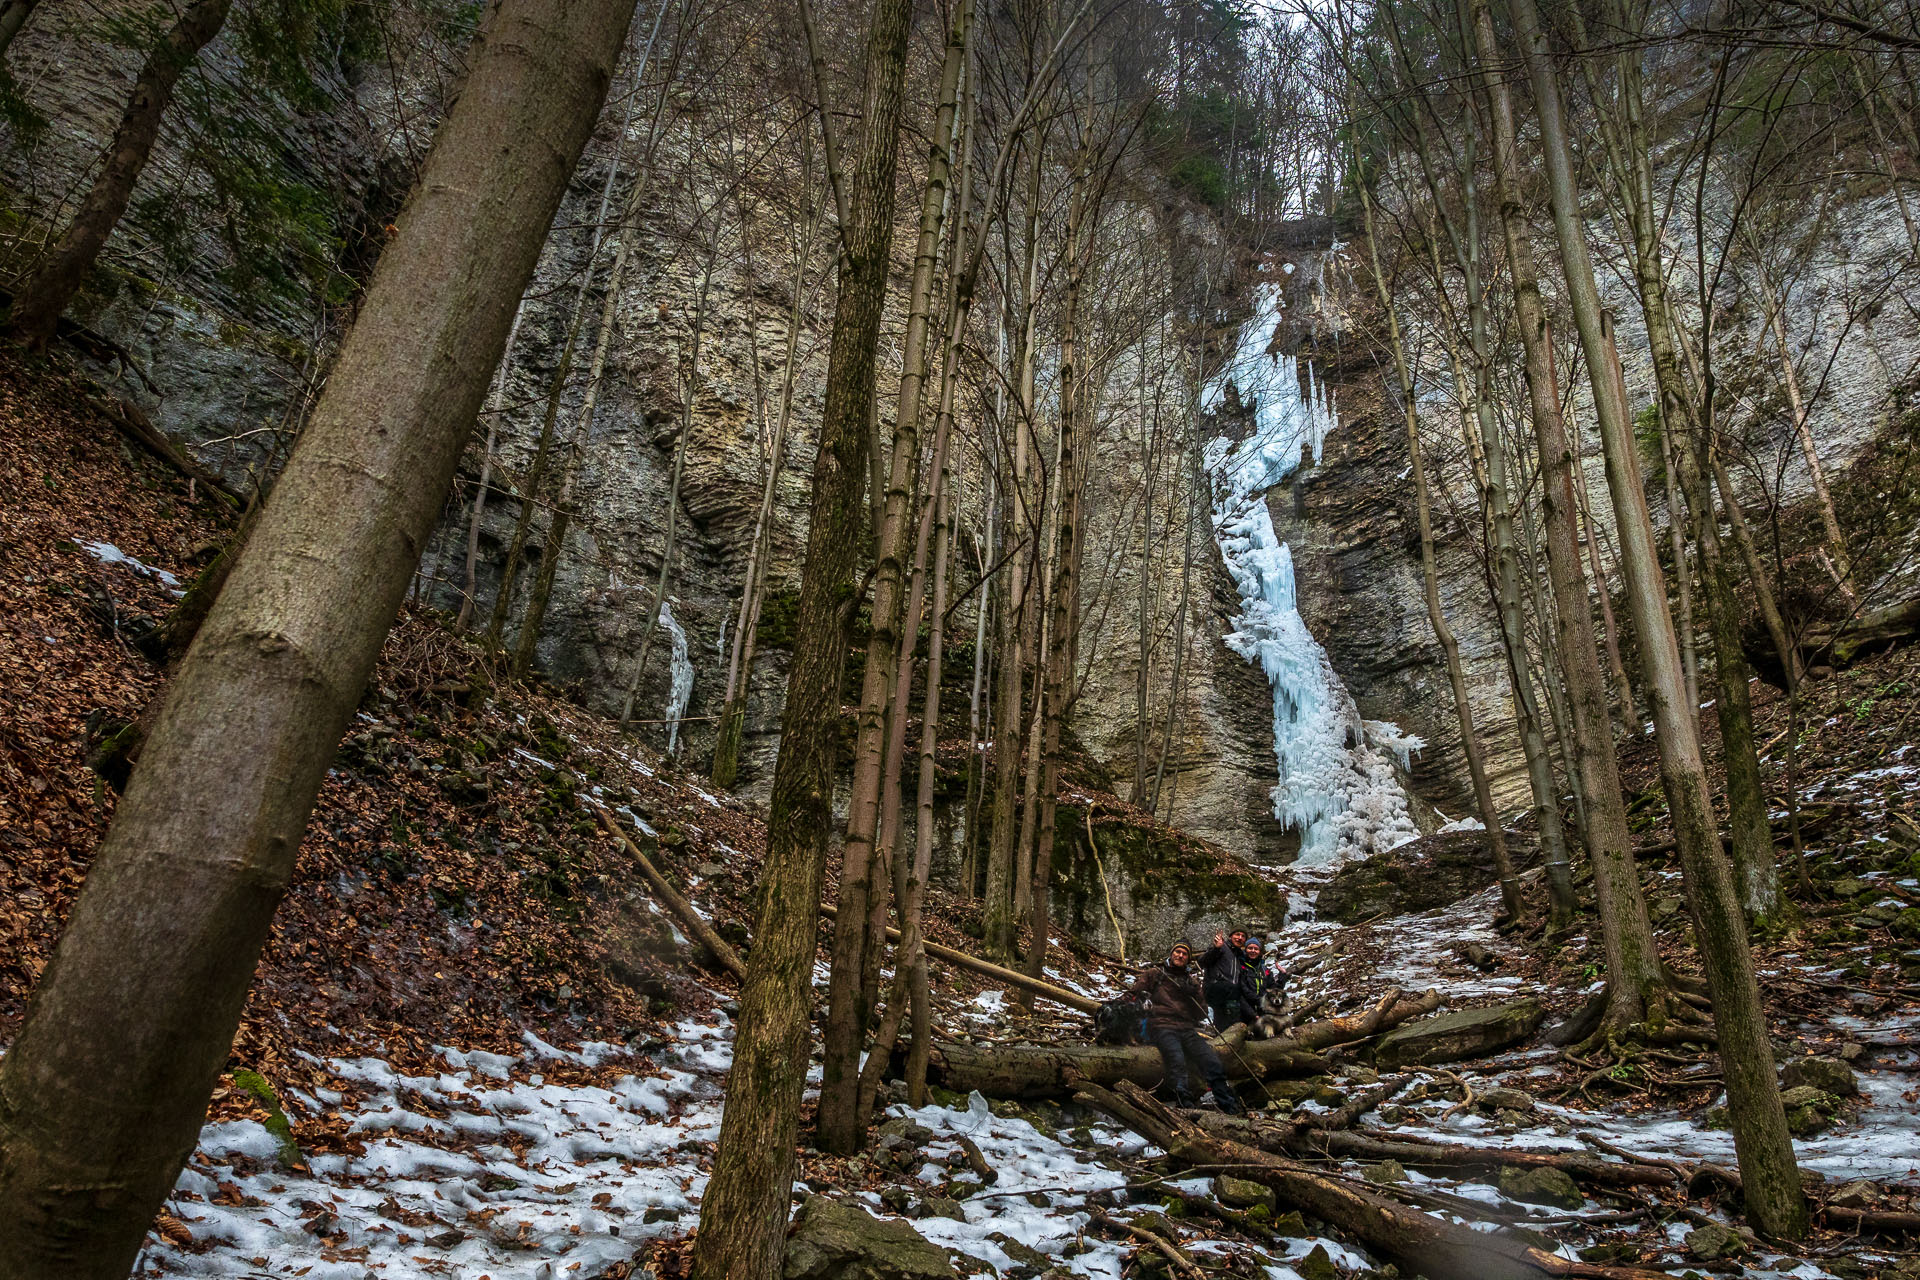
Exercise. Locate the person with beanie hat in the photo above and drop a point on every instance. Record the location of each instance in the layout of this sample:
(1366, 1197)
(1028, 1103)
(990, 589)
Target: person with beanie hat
(1175, 1009)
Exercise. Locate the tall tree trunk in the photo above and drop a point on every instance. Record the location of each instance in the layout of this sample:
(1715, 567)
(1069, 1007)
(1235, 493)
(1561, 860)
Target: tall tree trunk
(1005, 851)
(744, 1214)
(41, 299)
(558, 525)
(103, 1092)
(1064, 593)
(1771, 1179)
(1690, 420)
(1430, 578)
(1480, 427)
(1636, 985)
(841, 1127)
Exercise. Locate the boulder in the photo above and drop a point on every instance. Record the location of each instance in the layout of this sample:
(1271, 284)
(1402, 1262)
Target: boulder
(1387, 1171)
(1317, 1265)
(835, 1240)
(1242, 1193)
(1828, 1075)
(1541, 1186)
(1714, 1242)
(1858, 1194)
(1502, 1099)
(1456, 1037)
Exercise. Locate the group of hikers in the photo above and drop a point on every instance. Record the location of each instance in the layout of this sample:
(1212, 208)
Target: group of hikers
(1235, 986)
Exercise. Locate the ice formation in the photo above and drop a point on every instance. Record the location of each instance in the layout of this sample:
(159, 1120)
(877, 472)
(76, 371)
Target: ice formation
(680, 671)
(1337, 782)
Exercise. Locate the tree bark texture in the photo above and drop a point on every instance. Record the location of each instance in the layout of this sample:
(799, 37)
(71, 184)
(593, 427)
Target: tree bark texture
(743, 1216)
(841, 1127)
(1635, 980)
(102, 1094)
(1774, 1199)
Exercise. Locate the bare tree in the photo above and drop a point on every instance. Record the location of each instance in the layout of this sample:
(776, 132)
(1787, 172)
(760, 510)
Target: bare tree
(108, 1081)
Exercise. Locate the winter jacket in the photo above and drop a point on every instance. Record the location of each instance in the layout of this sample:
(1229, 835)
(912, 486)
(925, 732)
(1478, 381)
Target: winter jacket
(1222, 967)
(1174, 999)
(1261, 991)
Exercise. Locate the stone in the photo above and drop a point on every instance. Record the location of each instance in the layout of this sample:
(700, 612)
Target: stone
(709, 870)
(1858, 1194)
(1829, 1075)
(1387, 1171)
(1848, 887)
(1290, 1225)
(1906, 924)
(1806, 1095)
(835, 1240)
(1479, 957)
(660, 1213)
(935, 1206)
(1713, 1242)
(1024, 1254)
(1540, 1186)
(1317, 1265)
(1455, 1037)
(1502, 1099)
(1244, 1193)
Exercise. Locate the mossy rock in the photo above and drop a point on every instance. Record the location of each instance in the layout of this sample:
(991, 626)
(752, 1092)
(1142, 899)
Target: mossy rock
(1906, 925)
(1541, 1186)
(1456, 1037)
(834, 1240)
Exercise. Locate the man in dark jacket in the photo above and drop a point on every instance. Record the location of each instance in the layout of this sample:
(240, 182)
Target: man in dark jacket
(1175, 1008)
(1223, 965)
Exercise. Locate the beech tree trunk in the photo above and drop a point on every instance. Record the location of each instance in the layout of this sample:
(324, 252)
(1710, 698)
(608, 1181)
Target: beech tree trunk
(1636, 984)
(41, 299)
(1775, 1202)
(1430, 582)
(744, 1214)
(1064, 593)
(103, 1093)
(841, 1127)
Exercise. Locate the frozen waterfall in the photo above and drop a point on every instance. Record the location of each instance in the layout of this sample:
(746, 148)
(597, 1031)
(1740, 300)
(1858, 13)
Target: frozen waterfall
(680, 676)
(1337, 783)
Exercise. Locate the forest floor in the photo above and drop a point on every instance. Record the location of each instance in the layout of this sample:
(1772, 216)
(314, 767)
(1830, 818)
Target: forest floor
(497, 1057)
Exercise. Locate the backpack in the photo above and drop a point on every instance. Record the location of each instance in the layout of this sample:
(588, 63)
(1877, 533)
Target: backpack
(1119, 1021)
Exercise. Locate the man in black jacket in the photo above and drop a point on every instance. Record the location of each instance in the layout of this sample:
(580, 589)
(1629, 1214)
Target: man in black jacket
(1175, 1008)
(1223, 965)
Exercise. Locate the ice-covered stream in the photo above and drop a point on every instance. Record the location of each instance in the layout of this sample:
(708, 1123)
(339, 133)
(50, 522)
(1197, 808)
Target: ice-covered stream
(1337, 784)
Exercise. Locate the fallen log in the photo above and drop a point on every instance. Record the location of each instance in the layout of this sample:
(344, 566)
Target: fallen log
(1291, 1139)
(1417, 1242)
(696, 924)
(987, 969)
(1049, 1071)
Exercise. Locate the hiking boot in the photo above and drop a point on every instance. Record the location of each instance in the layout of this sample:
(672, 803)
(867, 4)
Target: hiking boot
(1229, 1102)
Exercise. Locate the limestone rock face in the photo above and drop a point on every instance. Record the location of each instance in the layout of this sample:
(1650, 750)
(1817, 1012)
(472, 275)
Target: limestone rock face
(1456, 1037)
(833, 1240)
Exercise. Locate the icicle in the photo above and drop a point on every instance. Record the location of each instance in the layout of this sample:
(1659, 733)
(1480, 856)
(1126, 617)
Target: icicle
(1337, 785)
(680, 676)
